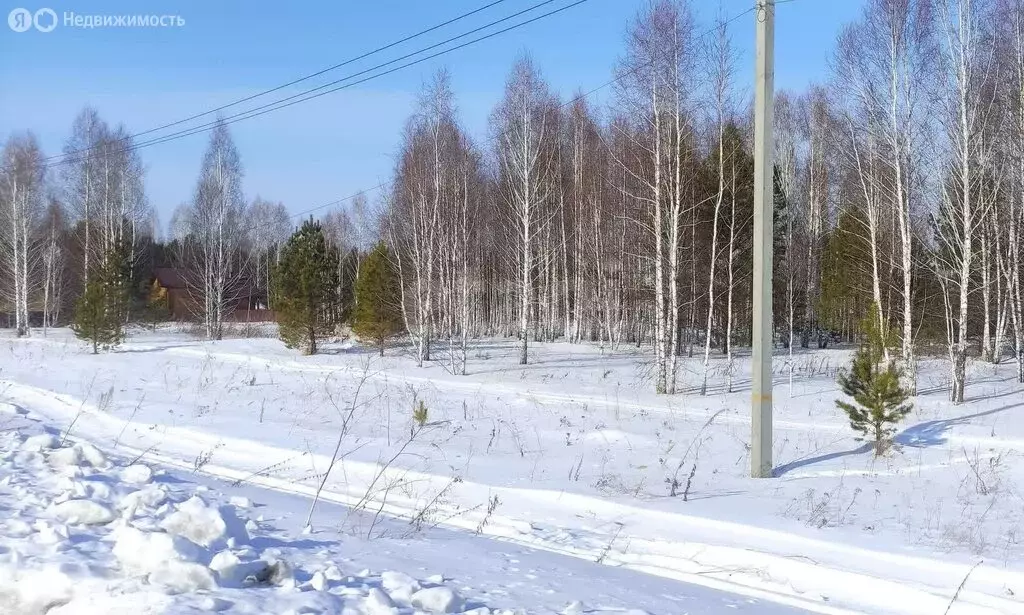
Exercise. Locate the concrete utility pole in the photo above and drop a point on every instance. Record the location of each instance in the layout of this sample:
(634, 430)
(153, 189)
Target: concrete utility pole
(761, 401)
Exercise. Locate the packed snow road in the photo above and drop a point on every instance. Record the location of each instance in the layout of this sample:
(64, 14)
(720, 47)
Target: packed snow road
(572, 456)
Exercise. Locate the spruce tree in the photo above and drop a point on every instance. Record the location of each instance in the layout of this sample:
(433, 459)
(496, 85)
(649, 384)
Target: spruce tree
(305, 288)
(880, 400)
(101, 310)
(378, 314)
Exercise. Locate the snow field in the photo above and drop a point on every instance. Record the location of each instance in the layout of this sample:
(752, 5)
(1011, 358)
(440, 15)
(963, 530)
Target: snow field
(572, 455)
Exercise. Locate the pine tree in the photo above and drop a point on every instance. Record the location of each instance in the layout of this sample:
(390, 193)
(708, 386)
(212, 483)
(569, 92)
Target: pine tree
(101, 310)
(378, 314)
(880, 401)
(305, 288)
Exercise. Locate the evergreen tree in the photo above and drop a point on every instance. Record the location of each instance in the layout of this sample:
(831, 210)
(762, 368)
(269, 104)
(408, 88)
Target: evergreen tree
(880, 401)
(377, 314)
(103, 307)
(305, 288)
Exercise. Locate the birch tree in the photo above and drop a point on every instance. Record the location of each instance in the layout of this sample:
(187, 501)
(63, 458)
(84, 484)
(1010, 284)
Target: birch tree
(655, 89)
(212, 253)
(968, 65)
(522, 127)
(53, 236)
(723, 67)
(22, 176)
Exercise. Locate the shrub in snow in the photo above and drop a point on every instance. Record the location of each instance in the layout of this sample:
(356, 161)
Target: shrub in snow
(879, 399)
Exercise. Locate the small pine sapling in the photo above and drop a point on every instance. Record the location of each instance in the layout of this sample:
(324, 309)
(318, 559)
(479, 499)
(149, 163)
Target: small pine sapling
(101, 311)
(874, 383)
(419, 414)
(378, 312)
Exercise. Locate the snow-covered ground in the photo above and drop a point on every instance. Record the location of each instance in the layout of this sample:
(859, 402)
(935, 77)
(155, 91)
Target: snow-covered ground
(529, 487)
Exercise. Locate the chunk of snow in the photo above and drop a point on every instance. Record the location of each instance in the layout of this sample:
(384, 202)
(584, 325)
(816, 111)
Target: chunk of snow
(392, 580)
(150, 496)
(574, 608)
(92, 455)
(213, 605)
(137, 474)
(205, 525)
(378, 603)
(145, 552)
(240, 502)
(183, 577)
(40, 442)
(223, 560)
(70, 456)
(83, 512)
(318, 581)
(16, 528)
(37, 591)
(437, 600)
(82, 454)
(50, 534)
(7, 408)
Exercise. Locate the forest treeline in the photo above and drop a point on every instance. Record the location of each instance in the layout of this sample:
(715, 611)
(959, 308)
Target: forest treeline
(899, 192)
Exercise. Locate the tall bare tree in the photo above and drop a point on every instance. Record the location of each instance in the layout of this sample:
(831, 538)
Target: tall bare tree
(524, 131)
(22, 177)
(212, 255)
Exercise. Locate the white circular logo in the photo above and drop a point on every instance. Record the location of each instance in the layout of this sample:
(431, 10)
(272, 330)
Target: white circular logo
(45, 20)
(20, 20)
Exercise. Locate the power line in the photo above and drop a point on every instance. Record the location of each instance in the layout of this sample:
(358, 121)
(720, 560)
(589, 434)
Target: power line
(319, 91)
(563, 105)
(294, 81)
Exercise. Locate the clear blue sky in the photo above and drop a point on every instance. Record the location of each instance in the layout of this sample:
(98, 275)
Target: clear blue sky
(337, 144)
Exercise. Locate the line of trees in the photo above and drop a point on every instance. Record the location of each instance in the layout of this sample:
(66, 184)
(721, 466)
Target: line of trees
(899, 193)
